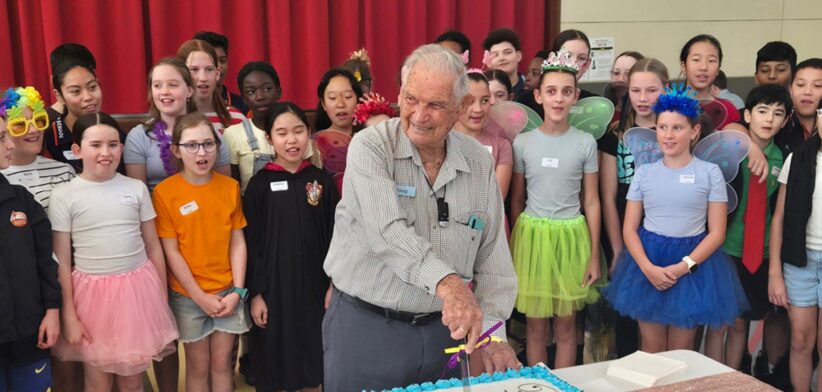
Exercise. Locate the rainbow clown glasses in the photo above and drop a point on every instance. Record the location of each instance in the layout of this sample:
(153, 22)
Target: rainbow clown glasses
(13, 105)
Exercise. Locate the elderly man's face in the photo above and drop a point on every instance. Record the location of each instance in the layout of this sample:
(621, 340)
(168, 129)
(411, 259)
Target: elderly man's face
(428, 109)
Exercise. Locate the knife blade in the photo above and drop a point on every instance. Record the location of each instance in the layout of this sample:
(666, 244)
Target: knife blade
(465, 368)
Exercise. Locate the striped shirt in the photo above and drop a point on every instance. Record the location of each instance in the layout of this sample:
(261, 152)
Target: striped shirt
(237, 117)
(40, 177)
(388, 248)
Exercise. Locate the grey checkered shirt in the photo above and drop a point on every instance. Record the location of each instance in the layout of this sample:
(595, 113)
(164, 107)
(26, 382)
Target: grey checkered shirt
(388, 248)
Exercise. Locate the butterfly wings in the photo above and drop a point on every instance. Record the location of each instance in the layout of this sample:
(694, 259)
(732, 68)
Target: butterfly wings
(726, 149)
(510, 118)
(592, 115)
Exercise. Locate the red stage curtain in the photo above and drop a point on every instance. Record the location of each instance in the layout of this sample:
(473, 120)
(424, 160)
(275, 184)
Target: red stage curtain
(301, 38)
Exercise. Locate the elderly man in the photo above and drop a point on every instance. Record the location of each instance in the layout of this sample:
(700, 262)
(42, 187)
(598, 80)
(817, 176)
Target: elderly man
(420, 223)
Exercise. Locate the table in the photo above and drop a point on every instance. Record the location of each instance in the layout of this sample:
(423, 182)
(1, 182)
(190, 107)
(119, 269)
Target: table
(592, 377)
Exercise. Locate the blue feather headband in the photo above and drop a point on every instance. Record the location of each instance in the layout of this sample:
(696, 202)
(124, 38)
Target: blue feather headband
(680, 99)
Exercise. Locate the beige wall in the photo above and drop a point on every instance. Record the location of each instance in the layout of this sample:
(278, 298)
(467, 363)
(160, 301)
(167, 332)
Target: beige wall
(660, 28)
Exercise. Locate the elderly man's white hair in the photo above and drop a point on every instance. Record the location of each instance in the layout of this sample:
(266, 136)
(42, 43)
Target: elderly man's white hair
(436, 58)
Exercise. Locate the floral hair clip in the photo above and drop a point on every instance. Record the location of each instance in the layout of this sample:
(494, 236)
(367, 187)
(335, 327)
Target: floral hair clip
(371, 105)
(563, 60)
(679, 98)
(487, 57)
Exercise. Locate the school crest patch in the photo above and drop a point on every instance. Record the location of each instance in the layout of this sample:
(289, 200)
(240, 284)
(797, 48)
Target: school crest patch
(313, 192)
(18, 219)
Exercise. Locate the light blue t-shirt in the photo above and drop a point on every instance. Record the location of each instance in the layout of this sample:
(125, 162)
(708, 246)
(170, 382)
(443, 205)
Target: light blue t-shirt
(143, 149)
(676, 200)
(553, 166)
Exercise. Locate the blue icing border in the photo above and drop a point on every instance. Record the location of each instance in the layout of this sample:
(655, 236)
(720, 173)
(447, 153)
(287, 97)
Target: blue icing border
(535, 372)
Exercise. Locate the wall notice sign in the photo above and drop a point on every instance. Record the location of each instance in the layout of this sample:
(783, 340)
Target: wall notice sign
(602, 60)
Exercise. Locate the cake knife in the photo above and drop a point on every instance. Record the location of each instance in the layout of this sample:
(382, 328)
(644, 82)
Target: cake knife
(465, 369)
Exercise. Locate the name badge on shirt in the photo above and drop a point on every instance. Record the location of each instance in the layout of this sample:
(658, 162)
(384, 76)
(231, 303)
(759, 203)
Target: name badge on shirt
(189, 208)
(406, 190)
(687, 178)
(550, 162)
(277, 186)
(30, 176)
(776, 170)
(128, 199)
(69, 155)
(490, 149)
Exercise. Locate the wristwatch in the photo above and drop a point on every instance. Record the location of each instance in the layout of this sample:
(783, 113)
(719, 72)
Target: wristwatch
(243, 293)
(692, 265)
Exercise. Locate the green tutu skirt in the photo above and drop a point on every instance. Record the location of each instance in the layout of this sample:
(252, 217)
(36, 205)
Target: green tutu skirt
(551, 258)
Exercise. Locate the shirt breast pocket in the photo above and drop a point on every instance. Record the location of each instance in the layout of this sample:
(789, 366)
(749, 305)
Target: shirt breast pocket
(466, 236)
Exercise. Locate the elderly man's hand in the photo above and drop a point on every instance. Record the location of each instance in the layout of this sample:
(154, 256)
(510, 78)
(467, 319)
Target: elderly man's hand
(460, 311)
(499, 357)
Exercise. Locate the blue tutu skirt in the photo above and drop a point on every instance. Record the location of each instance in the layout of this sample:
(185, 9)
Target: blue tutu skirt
(712, 295)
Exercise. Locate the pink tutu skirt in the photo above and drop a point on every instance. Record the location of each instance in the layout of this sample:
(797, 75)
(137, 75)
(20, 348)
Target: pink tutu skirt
(128, 318)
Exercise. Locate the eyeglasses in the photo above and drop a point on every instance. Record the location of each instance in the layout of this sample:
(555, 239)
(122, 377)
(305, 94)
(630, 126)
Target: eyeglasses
(19, 126)
(194, 147)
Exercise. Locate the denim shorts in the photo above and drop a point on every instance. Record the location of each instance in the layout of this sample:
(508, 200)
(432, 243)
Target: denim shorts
(194, 324)
(804, 284)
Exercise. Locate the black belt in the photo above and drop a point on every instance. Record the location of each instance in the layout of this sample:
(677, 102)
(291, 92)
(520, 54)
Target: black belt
(406, 317)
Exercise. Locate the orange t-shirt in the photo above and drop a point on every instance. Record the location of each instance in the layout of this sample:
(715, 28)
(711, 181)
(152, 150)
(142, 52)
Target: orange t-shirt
(201, 218)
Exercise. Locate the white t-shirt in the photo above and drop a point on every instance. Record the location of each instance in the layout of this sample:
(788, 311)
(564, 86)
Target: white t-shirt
(40, 177)
(104, 220)
(813, 231)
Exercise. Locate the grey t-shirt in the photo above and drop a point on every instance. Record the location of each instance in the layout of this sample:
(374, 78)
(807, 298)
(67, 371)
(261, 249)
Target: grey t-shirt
(676, 200)
(142, 149)
(553, 167)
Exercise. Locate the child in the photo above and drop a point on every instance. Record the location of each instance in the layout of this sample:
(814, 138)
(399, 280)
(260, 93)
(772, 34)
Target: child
(456, 42)
(472, 123)
(775, 64)
(148, 146)
(339, 93)
(360, 66)
(766, 110)
(806, 93)
(700, 60)
(201, 60)
(646, 80)
(31, 292)
(76, 88)
(500, 86)
(38, 174)
(617, 89)
(503, 45)
(290, 210)
(200, 221)
(796, 254)
(555, 249)
(260, 85)
(115, 315)
(220, 44)
(674, 277)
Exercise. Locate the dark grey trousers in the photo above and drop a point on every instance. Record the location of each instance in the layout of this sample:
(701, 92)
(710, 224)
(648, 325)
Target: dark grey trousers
(366, 351)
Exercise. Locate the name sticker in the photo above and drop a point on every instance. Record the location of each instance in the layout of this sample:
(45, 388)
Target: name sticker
(490, 149)
(189, 208)
(550, 162)
(687, 178)
(776, 170)
(128, 199)
(69, 155)
(30, 176)
(406, 190)
(277, 186)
